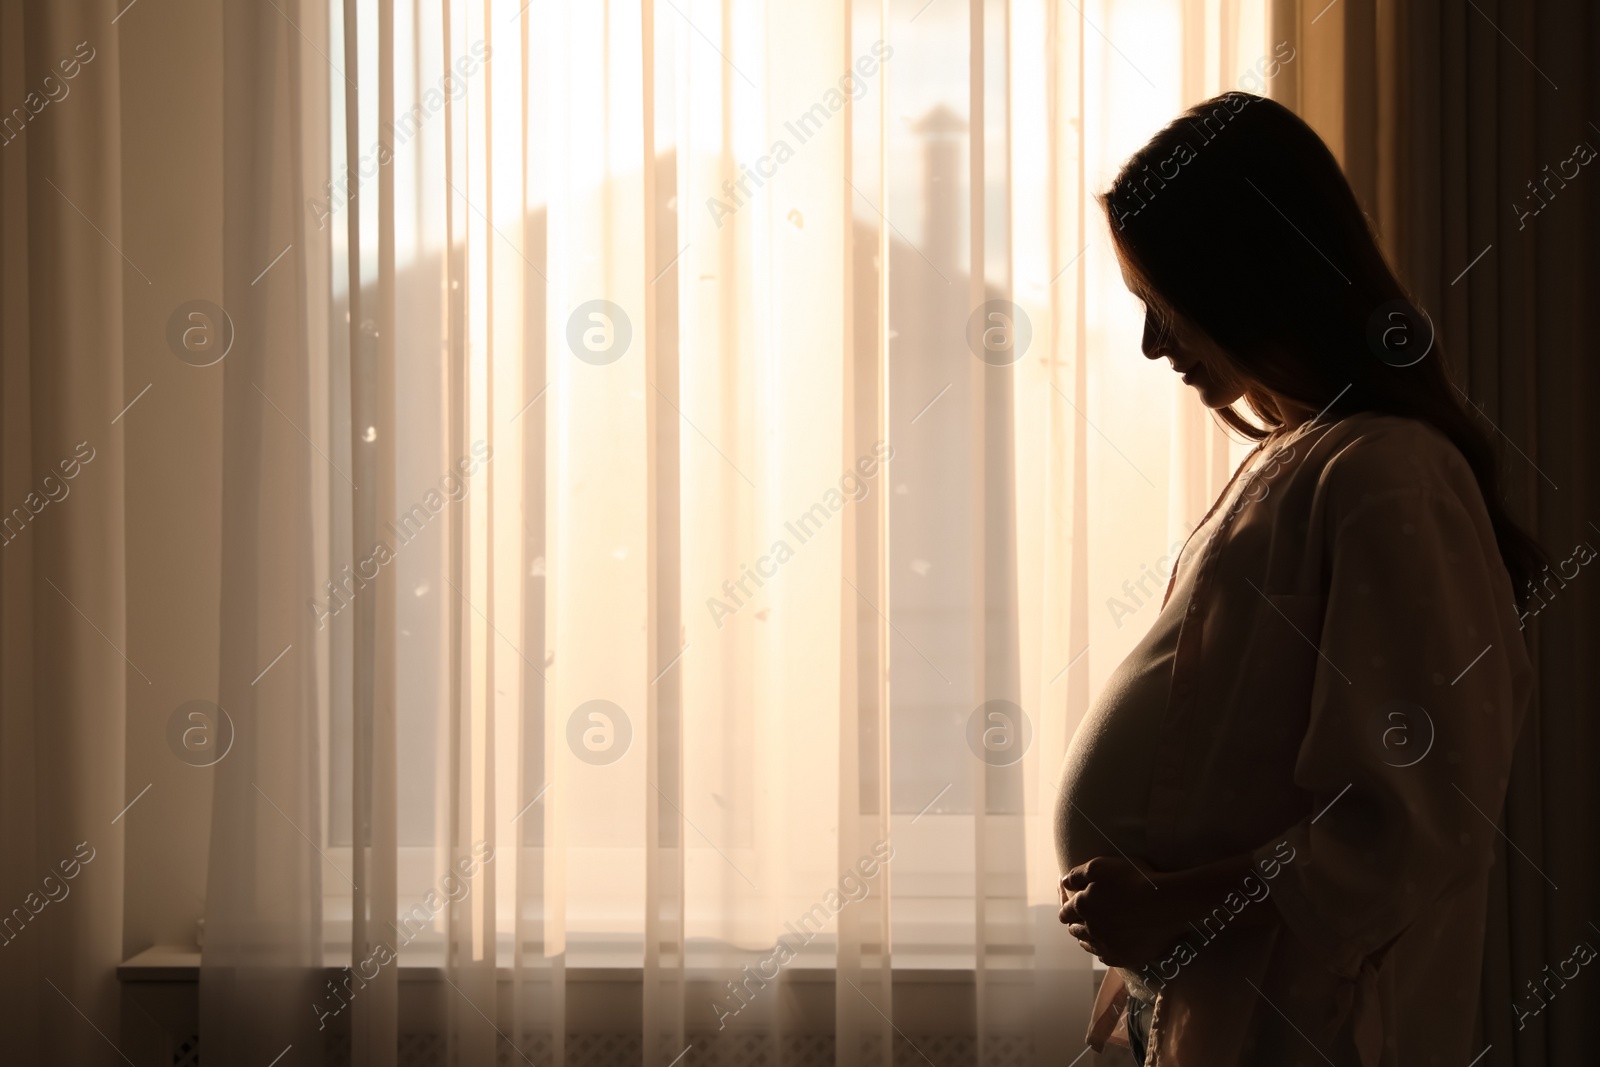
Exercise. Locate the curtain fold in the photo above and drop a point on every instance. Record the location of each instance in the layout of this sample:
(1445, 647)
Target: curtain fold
(261, 979)
(1466, 131)
(64, 645)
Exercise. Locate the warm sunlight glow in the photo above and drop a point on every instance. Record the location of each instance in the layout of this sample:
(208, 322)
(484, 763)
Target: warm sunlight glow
(524, 181)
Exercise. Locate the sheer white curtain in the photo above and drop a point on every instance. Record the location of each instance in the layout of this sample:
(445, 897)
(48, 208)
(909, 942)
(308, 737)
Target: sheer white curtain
(263, 951)
(728, 471)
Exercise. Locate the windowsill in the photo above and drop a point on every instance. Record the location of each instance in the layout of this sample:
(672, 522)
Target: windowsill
(932, 1000)
(160, 965)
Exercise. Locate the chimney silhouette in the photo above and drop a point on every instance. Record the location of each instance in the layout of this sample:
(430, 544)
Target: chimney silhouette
(944, 140)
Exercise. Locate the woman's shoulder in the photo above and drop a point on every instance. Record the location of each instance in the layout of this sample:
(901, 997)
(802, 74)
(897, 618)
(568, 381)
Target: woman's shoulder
(1369, 456)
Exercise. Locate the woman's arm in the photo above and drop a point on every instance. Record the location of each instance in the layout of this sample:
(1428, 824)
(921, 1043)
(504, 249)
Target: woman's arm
(1408, 745)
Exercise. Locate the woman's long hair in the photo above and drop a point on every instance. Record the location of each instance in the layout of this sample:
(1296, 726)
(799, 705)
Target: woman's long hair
(1237, 218)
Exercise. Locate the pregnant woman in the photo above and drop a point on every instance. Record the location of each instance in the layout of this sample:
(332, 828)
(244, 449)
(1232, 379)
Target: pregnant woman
(1277, 822)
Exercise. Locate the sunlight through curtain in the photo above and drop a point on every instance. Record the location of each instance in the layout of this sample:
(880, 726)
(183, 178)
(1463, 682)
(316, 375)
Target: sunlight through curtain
(731, 472)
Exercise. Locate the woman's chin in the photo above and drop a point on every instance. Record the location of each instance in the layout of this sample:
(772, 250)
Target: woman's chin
(1212, 394)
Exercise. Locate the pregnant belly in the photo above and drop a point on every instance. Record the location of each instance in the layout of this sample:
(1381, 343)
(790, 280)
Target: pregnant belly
(1104, 791)
(1096, 814)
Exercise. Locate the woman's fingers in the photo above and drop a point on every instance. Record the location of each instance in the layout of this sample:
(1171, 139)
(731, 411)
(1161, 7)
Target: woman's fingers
(1077, 928)
(1077, 879)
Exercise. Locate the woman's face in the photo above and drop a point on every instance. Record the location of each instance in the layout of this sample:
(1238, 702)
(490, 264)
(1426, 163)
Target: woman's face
(1192, 355)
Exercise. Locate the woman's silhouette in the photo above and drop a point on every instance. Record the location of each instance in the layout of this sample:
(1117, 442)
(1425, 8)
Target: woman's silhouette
(1276, 823)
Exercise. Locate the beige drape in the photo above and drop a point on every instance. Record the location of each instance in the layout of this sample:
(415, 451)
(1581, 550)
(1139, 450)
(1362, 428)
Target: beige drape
(63, 644)
(1456, 124)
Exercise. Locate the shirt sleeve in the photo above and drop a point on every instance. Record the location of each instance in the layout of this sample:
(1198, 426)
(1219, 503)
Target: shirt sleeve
(1413, 717)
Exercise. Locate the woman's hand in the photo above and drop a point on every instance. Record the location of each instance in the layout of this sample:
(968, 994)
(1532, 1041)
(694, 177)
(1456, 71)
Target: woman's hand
(1128, 913)
(1120, 911)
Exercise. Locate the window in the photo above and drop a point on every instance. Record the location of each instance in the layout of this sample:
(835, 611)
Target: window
(741, 469)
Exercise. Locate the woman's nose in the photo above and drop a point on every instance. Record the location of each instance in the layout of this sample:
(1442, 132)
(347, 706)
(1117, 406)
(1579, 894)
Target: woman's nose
(1153, 344)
